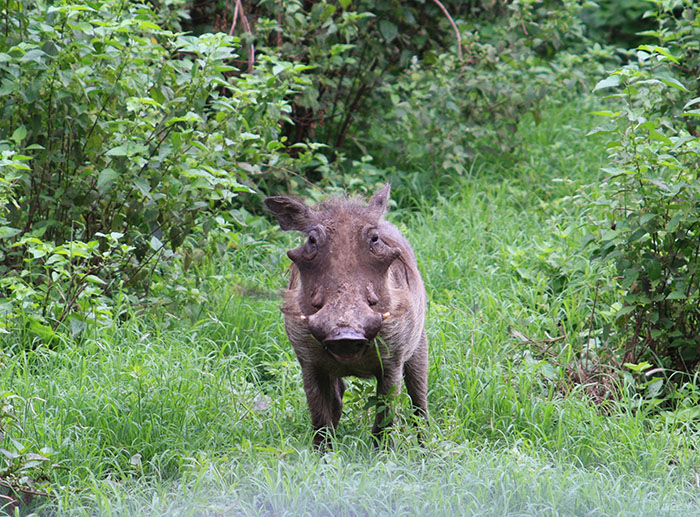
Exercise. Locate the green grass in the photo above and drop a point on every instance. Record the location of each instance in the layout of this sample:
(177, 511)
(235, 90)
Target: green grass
(199, 409)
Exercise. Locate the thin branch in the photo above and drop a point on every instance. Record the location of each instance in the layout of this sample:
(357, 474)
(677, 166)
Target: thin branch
(246, 27)
(235, 19)
(544, 345)
(279, 29)
(454, 27)
(78, 291)
(590, 326)
(26, 491)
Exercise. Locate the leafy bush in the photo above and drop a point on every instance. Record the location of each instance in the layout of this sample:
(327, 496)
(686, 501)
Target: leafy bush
(395, 91)
(442, 112)
(354, 47)
(118, 140)
(652, 201)
(679, 31)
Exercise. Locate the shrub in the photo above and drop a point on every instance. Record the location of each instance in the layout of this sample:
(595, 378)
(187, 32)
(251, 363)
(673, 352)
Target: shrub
(118, 140)
(435, 117)
(390, 92)
(652, 200)
(354, 48)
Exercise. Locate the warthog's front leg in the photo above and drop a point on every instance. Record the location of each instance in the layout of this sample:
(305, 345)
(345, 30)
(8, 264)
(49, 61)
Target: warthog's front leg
(325, 399)
(388, 387)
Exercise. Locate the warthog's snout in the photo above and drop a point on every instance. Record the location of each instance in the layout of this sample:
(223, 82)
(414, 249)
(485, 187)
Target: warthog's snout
(345, 341)
(346, 344)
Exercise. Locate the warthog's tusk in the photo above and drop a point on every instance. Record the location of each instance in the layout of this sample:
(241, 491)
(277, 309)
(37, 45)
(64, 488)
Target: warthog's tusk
(303, 318)
(386, 315)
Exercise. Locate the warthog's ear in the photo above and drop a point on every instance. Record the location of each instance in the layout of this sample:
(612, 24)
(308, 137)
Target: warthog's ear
(291, 214)
(380, 200)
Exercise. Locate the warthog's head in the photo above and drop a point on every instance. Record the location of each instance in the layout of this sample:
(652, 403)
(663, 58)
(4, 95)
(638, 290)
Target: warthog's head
(344, 269)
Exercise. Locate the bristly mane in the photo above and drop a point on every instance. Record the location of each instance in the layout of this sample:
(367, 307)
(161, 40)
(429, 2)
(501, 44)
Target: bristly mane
(345, 205)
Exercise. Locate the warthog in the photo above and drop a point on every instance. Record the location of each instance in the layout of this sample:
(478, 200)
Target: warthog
(355, 305)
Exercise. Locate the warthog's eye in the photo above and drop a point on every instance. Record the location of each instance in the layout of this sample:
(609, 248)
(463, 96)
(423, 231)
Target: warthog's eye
(311, 246)
(382, 251)
(375, 243)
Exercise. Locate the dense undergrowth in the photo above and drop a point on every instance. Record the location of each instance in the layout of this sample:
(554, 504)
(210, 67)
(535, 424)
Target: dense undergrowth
(201, 409)
(143, 363)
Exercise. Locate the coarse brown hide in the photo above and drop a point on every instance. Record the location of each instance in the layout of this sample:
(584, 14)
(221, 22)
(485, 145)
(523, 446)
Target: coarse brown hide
(355, 305)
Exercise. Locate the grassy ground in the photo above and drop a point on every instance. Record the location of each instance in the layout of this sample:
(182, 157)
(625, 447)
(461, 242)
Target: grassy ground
(199, 410)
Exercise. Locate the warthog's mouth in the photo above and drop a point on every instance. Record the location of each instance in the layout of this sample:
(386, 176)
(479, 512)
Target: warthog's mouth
(346, 350)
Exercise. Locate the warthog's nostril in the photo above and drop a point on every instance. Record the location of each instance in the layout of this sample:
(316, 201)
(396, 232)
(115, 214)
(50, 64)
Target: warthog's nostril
(346, 344)
(346, 349)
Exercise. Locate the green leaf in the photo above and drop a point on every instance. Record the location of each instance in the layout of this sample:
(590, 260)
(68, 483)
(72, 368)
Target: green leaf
(279, 68)
(673, 223)
(659, 50)
(654, 388)
(157, 94)
(655, 135)
(41, 330)
(636, 235)
(676, 295)
(120, 150)
(339, 48)
(33, 456)
(105, 179)
(143, 186)
(610, 82)
(613, 171)
(19, 134)
(127, 149)
(9, 455)
(8, 86)
(631, 276)
(388, 30)
(675, 83)
(644, 219)
(625, 310)
(607, 128)
(660, 183)
(156, 244)
(32, 55)
(6, 232)
(640, 367)
(146, 25)
(54, 258)
(654, 270)
(691, 102)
